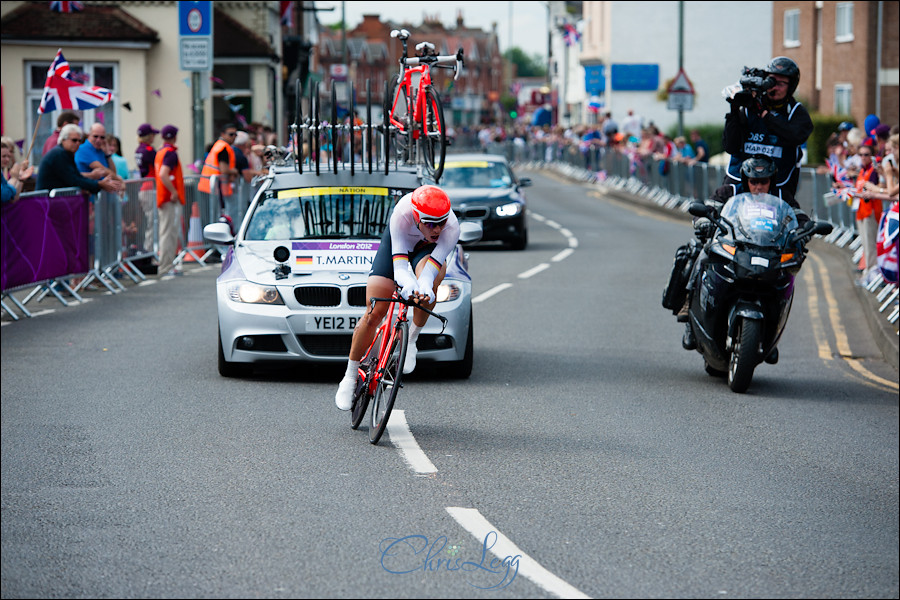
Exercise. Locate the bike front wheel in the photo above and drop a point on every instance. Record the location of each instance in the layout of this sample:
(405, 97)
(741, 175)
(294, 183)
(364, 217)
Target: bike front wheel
(389, 382)
(434, 135)
(401, 111)
(361, 394)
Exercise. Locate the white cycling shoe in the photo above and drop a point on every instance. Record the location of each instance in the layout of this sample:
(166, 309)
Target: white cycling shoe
(409, 365)
(344, 396)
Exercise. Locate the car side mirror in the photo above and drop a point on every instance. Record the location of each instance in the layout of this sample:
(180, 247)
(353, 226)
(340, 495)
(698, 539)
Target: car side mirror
(218, 233)
(470, 232)
(525, 182)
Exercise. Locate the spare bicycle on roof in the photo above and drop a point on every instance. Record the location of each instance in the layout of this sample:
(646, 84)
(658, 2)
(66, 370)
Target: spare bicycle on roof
(412, 120)
(415, 114)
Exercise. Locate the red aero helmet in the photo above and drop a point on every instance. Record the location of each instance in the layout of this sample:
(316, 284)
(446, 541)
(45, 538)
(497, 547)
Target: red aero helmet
(431, 204)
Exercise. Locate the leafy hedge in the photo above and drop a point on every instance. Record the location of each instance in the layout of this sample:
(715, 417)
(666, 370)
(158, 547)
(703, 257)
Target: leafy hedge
(823, 127)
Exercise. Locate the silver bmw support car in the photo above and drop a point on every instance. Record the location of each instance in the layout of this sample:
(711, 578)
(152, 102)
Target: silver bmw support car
(293, 281)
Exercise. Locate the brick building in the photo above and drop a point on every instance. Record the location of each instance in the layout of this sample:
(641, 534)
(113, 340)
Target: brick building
(847, 53)
(372, 54)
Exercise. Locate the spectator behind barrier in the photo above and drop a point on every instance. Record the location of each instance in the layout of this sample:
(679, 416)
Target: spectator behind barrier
(14, 174)
(65, 118)
(58, 170)
(93, 158)
(114, 147)
(701, 148)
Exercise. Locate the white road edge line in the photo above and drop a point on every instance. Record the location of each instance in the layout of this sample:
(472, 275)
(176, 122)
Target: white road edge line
(473, 522)
(534, 271)
(402, 437)
(485, 295)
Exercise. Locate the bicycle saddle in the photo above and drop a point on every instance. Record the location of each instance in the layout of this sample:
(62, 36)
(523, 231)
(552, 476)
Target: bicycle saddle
(400, 33)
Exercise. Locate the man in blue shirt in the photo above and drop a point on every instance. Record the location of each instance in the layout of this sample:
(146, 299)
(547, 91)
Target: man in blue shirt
(92, 159)
(701, 148)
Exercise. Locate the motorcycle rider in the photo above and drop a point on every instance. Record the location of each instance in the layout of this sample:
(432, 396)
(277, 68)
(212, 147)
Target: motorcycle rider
(769, 122)
(758, 176)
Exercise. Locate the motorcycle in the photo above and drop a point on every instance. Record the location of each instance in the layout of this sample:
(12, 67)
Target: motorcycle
(742, 289)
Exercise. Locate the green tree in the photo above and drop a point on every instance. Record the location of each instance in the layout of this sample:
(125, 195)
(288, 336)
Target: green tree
(527, 66)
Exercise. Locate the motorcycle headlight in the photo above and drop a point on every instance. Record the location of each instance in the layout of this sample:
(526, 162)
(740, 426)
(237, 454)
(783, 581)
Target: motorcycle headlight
(251, 293)
(508, 210)
(447, 292)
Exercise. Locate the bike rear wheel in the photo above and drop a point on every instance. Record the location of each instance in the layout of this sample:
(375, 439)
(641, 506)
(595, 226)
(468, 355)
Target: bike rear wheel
(389, 382)
(434, 135)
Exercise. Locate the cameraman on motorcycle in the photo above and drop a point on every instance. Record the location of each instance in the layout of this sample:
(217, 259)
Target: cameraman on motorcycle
(766, 119)
(758, 176)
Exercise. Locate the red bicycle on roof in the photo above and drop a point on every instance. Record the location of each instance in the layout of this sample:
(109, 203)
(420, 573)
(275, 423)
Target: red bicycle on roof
(416, 116)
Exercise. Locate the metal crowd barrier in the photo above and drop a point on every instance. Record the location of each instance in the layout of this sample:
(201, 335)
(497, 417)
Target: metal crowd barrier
(679, 184)
(123, 229)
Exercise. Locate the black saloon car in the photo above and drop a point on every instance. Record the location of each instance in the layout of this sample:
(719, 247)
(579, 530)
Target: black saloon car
(484, 189)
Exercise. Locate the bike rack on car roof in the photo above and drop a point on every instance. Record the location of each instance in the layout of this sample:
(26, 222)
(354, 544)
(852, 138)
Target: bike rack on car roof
(311, 128)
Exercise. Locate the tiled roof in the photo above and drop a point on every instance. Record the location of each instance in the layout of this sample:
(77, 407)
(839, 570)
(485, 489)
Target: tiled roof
(35, 21)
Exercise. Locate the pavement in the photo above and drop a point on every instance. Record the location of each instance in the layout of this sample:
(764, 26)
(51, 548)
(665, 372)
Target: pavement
(838, 260)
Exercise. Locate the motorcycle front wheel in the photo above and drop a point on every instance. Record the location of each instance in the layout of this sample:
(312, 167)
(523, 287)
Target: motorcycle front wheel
(744, 357)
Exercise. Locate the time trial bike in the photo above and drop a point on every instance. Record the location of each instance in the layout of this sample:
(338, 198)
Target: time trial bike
(416, 116)
(380, 373)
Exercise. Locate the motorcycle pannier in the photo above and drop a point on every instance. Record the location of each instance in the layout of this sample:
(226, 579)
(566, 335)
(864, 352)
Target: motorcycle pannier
(676, 290)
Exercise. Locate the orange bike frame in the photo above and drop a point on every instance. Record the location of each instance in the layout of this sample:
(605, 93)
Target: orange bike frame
(388, 332)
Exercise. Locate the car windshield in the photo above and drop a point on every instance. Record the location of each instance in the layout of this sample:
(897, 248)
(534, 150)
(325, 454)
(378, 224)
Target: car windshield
(322, 212)
(476, 174)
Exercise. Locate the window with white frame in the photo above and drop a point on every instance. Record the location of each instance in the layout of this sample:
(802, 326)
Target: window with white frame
(843, 22)
(103, 74)
(792, 28)
(843, 93)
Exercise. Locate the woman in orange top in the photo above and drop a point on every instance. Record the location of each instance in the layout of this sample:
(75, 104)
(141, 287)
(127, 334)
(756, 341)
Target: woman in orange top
(868, 213)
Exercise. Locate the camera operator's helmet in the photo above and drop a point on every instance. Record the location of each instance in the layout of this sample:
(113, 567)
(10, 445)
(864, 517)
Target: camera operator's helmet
(430, 204)
(758, 167)
(782, 65)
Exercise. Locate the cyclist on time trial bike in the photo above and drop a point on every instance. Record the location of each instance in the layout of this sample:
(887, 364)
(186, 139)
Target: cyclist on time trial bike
(423, 231)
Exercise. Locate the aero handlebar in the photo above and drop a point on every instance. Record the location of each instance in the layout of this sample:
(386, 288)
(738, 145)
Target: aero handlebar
(451, 59)
(411, 304)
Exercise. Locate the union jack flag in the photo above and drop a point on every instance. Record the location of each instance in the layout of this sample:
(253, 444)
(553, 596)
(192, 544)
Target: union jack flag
(66, 7)
(570, 34)
(63, 92)
(287, 9)
(888, 244)
(845, 186)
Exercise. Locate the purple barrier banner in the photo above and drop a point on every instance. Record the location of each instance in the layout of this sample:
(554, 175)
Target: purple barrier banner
(43, 238)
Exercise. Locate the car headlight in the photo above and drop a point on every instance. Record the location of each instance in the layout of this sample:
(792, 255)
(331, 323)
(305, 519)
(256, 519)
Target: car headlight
(447, 292)
(508, 210)
(251, 293)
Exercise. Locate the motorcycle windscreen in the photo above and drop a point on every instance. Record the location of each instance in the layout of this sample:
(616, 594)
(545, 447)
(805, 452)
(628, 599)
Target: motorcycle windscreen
(760, 219)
